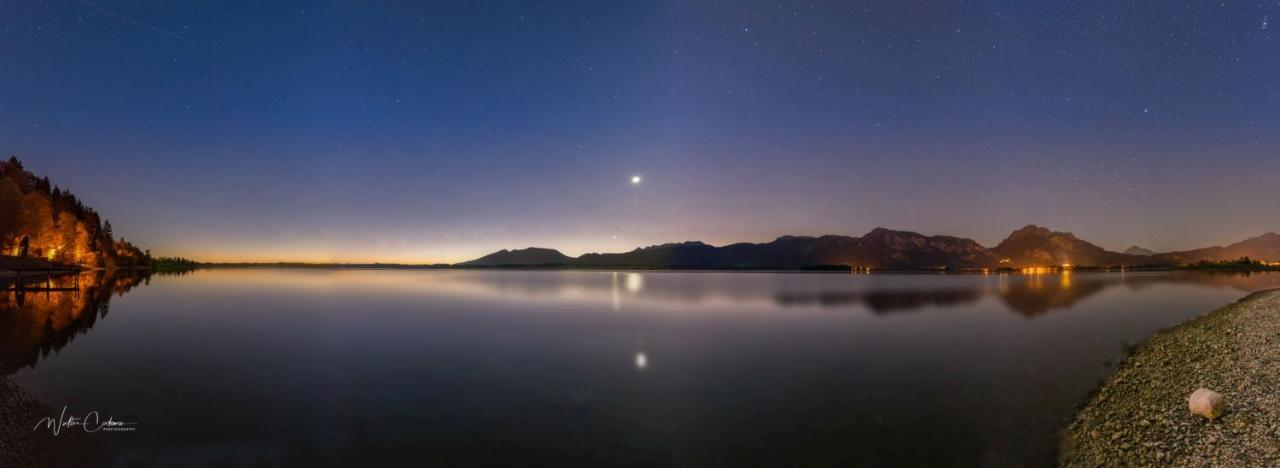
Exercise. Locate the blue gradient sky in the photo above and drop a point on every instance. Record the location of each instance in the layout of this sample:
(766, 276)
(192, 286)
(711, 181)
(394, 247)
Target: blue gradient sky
(419, 133)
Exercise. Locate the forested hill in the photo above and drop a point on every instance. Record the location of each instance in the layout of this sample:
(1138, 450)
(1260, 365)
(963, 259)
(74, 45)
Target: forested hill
(58, 225)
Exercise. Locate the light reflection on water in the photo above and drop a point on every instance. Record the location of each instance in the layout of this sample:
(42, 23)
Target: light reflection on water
(339, 367)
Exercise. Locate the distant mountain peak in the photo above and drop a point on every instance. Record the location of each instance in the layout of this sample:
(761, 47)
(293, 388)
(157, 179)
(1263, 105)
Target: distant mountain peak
(1033, 246)
(532, 256)
(1034, 230)
(791, 238)
(1030, 230)
(1135, 250)
(894, 231)
(1268, 238)
(540, 249)
(1264, 247)
(677, 244)
(886, 232)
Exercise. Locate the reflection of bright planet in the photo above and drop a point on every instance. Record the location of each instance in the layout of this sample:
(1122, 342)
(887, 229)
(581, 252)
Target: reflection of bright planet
(617, 298)
(642, 361)
(635, 282)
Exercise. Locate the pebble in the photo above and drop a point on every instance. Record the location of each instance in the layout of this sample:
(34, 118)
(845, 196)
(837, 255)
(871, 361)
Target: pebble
(1205, 403)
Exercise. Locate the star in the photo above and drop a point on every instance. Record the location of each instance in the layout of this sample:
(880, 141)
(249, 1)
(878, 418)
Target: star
(635, 180)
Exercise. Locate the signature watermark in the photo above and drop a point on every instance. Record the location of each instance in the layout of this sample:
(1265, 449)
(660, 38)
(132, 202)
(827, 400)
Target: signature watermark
(90, 422)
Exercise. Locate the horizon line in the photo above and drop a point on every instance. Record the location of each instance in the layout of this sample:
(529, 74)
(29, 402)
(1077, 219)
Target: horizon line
(406, 262)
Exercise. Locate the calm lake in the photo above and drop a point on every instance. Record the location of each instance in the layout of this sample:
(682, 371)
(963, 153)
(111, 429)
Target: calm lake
(269, 367)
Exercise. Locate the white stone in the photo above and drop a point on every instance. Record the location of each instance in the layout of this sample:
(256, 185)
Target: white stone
(1205, 403)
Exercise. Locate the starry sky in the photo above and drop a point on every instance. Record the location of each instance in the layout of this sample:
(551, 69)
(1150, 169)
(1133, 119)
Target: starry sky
(440, 131)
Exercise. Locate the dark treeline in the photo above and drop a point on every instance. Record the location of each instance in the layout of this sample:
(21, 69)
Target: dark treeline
(1242, 263)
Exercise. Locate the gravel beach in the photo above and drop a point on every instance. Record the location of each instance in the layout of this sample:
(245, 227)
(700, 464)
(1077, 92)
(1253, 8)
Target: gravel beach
(1140, 415)
(18, 413)
(21, 446)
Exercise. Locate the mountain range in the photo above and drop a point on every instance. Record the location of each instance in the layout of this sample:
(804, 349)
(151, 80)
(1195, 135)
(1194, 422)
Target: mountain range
(885, 249)
(1264, 247)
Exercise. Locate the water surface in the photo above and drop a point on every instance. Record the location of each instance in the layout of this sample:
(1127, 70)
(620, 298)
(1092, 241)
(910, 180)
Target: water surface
(389, 367)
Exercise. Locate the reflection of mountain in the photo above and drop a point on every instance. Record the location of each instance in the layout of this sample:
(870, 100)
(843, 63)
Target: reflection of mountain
(883, 301)
(1041, 294)
(34, 323)
(1027, 295)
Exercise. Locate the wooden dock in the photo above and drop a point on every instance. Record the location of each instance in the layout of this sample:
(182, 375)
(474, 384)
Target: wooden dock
(39, 289)
(36, 275)
(32, 264)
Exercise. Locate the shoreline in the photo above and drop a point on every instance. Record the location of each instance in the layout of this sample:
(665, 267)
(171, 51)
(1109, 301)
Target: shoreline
(973, 271)
(1139, 415)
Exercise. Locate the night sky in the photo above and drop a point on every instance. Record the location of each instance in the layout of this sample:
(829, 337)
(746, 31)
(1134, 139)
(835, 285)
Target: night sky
(385, 131)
